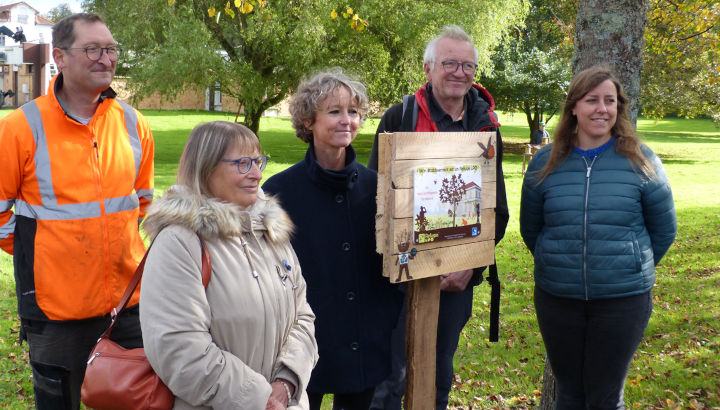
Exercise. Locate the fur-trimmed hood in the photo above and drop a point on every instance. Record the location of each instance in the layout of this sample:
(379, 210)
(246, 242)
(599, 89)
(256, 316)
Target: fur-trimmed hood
(213, 218)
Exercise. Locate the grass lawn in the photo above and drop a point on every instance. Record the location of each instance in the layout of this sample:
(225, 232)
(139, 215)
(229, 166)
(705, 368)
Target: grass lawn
(678, 363)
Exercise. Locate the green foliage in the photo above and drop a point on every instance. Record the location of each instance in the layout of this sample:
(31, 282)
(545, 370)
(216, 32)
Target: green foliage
(532, 67)
(259, 56)
(59, 12)
(681, 74)
(678, 362)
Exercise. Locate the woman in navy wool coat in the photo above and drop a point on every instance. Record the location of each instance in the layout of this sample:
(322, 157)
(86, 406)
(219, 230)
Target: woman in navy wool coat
(331, 200)
(598, 215)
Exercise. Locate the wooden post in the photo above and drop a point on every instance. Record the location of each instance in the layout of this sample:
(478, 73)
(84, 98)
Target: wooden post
(402, 157)
(423, 304)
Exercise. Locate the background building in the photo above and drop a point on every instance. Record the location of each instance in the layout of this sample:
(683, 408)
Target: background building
(26, 65)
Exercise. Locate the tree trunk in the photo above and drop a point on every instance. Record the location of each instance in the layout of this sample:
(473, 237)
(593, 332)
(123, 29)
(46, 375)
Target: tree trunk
(611, 32)
(252, 118)
(547, 400)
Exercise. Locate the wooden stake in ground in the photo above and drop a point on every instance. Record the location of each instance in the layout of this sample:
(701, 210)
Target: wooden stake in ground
(435, 215)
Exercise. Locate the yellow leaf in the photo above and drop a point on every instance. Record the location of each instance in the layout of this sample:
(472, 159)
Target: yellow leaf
(227, 6)
(365, 23)
(355, 17)
(333, 14)
(345, 15)
(349, 11)
(352, 23)
(266, 17)
(238, 3)
(230, 13)
(171, 1)
(248, 8)
(359, 27)
(211, 11)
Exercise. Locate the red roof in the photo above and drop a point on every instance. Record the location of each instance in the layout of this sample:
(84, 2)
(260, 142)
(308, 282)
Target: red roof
(13, 5)
(470, 185)
(42, 20)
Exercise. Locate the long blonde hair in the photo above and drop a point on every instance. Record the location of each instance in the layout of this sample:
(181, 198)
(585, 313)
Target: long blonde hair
(627, 143)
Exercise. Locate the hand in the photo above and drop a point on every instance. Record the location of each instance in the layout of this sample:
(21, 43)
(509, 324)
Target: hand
(456, 281)
(278, 398)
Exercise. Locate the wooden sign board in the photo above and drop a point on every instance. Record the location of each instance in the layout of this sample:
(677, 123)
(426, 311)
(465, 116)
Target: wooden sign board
(400, 155)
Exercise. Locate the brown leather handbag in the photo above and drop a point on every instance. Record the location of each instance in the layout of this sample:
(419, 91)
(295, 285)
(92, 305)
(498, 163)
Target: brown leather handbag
(122, 379)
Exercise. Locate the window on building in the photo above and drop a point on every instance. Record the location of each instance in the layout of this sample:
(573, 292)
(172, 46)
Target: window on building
(30, 68)
(22, 18)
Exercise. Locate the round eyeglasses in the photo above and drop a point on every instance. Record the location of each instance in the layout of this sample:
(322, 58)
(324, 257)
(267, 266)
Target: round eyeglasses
(451, 66)
(94, 53)
(245, 163)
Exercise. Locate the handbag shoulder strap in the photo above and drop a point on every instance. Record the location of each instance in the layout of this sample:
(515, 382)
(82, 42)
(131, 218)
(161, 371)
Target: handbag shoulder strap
(206, 273)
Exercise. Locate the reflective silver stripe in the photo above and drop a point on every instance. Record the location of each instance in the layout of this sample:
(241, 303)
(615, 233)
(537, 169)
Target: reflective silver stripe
(9, 228)
(58, 212)
(131, 123)
(123, 203)
(42, 155)
(146, 193)
(6, 205)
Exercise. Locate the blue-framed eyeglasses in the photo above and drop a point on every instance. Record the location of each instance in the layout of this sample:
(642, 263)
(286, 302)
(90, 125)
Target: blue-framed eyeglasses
(245, 163)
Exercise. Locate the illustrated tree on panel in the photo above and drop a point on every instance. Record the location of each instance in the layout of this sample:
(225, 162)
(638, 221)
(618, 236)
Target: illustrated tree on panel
(452, 191)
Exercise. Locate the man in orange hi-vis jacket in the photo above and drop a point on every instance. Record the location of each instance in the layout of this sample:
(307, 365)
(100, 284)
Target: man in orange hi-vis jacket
(77, 165)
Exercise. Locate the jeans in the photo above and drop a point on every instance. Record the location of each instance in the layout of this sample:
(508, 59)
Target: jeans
(59, 352)
(590, 345)
(348, 401)
(455, 311)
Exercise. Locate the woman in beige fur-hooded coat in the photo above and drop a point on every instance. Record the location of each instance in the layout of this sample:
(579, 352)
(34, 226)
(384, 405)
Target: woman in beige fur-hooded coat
(247, 342)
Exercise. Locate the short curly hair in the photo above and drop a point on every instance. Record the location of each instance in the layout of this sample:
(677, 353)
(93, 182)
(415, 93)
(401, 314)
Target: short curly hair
(312, 92)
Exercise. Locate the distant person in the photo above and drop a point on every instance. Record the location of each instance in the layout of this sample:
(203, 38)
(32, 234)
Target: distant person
(331, 200)
(245, 342)
(78, 165)
(448, 102)
(537, 136)
(598, 215)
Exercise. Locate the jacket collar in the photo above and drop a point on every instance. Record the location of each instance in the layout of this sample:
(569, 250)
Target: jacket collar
(215, 219)
(479, 107)
(57, 83)
(340, 180)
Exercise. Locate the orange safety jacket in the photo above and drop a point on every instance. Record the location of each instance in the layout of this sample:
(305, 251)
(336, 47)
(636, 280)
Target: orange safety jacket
(79, 192)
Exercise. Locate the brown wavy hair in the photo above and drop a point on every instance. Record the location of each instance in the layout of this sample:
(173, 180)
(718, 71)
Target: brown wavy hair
(627, 142)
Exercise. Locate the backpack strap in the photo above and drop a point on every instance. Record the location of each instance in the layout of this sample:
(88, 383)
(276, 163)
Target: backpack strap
(410, 109)
(494, 281)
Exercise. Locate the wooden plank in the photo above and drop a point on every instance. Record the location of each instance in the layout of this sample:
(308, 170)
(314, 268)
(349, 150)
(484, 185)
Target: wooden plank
(403, 200)
(385, 146)
(487, 232)
(427, 145)
(402, 171)
(382, 153)
(423, 304)
(439, 261)
(380, 215)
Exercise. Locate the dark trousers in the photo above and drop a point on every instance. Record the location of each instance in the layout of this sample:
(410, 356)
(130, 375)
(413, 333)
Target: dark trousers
(590, 346)
(59, 353)
(455, 311)
(348, 401)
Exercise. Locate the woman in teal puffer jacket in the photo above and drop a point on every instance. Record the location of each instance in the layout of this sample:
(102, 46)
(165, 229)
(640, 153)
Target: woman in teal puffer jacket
(598, 215)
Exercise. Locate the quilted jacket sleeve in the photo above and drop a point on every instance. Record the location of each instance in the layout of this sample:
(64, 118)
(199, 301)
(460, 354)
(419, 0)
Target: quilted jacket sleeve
(532, 203)
(659, 211)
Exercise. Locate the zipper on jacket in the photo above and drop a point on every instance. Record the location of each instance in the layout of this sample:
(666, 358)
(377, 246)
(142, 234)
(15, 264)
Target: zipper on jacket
(103, 216)
(585, 216)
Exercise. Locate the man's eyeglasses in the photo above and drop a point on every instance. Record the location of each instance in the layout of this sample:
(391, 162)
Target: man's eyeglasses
(94, 53)
(245, 163)
(451, 66)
